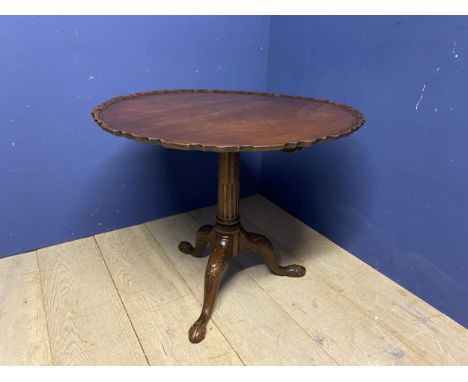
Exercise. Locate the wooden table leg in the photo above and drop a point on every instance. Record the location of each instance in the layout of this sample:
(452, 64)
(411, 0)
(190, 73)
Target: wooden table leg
(228, 239)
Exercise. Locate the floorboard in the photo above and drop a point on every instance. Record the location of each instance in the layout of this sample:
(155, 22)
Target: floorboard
(23, 329)
(435, 336)
(347, 334)
(260, 331)
(86, 320)
(128, 297)
(159, 302)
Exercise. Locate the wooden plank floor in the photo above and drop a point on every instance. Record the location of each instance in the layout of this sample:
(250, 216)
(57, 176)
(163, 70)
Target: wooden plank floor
(128, 297)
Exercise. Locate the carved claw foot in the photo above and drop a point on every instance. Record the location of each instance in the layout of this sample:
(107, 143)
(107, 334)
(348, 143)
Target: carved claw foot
(201, 242)
(259, 243)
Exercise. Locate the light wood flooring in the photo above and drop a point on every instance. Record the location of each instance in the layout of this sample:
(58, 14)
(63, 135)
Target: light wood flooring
(128, 297)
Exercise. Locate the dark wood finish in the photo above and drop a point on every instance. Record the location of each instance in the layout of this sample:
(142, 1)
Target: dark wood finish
(220, 120)
(227, 122)
(228, 239)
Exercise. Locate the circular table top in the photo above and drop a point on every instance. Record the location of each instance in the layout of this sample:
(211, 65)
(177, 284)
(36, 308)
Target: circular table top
(226, 121)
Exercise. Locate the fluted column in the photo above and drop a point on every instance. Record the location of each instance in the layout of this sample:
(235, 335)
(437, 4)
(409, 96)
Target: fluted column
(228, 189)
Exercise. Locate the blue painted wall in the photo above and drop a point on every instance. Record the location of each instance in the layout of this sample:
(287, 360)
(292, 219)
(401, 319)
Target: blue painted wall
(61, 176)
(395, 194)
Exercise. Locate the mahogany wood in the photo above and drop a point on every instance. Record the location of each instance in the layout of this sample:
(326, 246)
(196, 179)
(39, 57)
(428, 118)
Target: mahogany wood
(221, 120)
(228, 239)
(227, 122)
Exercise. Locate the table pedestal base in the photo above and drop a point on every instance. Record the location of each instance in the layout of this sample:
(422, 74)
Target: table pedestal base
(228, 239)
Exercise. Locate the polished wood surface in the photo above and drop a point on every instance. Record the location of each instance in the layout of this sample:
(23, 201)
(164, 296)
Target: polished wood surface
(217, 120)
(341, 312)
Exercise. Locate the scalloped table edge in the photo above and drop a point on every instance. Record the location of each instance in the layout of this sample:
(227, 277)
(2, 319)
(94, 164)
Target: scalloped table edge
(96, 113)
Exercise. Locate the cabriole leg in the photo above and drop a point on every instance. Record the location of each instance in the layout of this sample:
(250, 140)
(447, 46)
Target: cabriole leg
(201, 241)
(259, 243)
(213, 274)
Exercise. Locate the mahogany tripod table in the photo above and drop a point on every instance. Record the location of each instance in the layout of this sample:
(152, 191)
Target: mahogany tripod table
(227, 122)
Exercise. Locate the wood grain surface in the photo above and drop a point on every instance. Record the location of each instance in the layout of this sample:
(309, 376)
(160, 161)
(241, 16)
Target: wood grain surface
(435, 337)
(217, 120)
(23, 329)
(254, 324)
(348, 334)
(131, 299)
(86, 320)
(158, 301)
